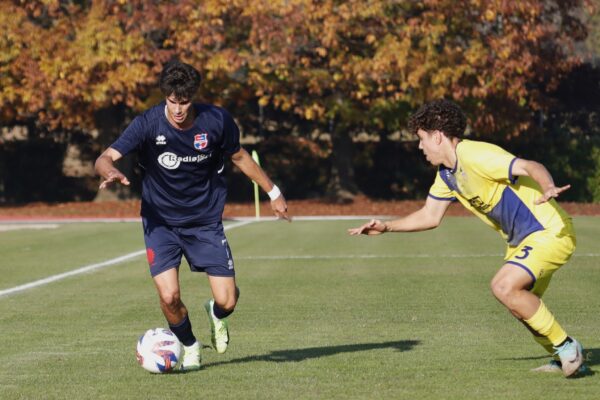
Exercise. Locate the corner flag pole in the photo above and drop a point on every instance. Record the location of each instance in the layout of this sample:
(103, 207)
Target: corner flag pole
(256, 197)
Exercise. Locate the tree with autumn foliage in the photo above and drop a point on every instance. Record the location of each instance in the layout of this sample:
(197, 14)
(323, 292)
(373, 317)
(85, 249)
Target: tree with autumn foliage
(340, 67)
(363, 65)
(357, 65)
(63, 61)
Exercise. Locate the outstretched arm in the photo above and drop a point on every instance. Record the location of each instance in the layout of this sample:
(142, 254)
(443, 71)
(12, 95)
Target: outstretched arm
(540, 174)
(252, 170)
(428, 217)
(105, 168)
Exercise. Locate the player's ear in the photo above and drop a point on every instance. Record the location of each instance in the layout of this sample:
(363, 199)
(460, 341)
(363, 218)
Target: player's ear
(438, 136)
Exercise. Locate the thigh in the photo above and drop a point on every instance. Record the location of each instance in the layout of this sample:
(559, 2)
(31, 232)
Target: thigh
(162, 247)
(540, 255)
(207, 250)
(511, 277)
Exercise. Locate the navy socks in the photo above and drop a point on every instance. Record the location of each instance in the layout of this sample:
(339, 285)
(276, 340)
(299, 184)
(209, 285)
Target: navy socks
(219, 312)
(183, 331)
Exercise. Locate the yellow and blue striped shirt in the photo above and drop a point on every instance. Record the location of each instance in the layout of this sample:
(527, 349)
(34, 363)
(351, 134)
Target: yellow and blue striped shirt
(483, 182)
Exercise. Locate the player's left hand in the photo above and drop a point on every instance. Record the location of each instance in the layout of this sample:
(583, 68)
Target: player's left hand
(114, 176)
(279, 206)
(373, 227)
(551, 192)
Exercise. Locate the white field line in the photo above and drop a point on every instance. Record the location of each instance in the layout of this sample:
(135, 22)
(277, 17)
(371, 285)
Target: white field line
(87, 268)
(381, 256)
(18, 227)
(317, 218)
(91, 267)
(64, 220)
(69, 220)
(362, 256)
(242, 222)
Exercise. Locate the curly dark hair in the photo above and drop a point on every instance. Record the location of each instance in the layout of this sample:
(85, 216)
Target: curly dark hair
(439, 115)
(180, 79)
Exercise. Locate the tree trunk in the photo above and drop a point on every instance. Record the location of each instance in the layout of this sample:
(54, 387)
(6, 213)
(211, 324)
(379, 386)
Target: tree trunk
(342, 187)
(110, 122)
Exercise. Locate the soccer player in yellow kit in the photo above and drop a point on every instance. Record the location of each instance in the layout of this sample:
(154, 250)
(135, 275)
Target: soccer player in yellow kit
(513, 196)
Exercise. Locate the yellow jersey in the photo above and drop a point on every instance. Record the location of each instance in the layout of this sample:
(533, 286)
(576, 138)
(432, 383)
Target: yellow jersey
(483, 182)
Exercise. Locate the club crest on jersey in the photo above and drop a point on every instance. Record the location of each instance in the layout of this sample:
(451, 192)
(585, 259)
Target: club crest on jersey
(200, 141)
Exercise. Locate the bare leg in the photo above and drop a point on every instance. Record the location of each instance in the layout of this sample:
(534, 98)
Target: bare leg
(167, 285)
(224, 291)
(510, 286)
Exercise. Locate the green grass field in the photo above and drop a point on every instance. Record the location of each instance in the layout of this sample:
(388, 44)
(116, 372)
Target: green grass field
(322, 315)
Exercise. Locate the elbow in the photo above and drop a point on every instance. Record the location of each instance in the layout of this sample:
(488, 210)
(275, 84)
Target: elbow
(238, 159)
(432, 223)
(432, 226)
(97, 163)
(531, 168)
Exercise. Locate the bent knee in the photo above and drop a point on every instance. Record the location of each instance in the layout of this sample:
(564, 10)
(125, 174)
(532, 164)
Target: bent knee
(502, 290)
(171, 299)
(227, 305)
(228, 301)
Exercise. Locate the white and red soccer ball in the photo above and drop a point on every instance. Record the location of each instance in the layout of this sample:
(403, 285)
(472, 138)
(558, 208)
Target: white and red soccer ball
(159, 351)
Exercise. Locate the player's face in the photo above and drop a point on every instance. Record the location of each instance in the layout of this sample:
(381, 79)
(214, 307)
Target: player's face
(429, 143)
(179, 110)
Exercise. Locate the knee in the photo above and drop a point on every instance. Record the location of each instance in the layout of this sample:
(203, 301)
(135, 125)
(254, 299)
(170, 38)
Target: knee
(502, 291)
(170, 299)
(227, 303)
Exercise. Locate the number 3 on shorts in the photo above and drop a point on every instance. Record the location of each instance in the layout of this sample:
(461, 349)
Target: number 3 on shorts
(525, 250)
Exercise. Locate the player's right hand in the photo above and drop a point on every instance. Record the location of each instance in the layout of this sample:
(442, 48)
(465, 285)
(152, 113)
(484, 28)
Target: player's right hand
(280, 209)
(373, 227)
(551, 193)
(114, 176)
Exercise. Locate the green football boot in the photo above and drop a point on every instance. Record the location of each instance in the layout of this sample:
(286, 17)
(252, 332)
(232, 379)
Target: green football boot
(219, 329)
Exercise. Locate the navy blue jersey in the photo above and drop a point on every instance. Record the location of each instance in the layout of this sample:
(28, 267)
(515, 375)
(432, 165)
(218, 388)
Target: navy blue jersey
(183, 182)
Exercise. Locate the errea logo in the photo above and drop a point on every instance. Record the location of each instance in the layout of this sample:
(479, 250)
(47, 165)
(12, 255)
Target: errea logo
(161, 140)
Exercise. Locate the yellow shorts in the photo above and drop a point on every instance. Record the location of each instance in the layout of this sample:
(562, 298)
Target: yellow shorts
(542, 253)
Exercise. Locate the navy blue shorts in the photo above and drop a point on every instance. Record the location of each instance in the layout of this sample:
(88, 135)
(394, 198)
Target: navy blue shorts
(205, 248)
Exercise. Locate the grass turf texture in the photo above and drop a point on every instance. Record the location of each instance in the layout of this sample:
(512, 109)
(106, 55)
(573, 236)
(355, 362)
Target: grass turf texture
(321, 315)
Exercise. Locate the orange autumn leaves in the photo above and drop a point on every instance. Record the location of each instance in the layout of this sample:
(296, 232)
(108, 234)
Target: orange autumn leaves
(354, 60)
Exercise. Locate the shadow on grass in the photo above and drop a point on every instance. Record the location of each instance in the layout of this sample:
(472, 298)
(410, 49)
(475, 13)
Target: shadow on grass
(298, 355)
(591, 358)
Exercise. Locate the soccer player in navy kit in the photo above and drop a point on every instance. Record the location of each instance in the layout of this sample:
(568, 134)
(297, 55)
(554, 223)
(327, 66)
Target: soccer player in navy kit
(181, 146)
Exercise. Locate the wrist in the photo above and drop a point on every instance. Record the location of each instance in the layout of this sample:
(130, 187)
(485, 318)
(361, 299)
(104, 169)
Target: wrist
(274, 193)
(386, 228)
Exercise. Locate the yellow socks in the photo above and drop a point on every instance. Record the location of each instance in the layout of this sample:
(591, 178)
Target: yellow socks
(544, 323)
(546, 344)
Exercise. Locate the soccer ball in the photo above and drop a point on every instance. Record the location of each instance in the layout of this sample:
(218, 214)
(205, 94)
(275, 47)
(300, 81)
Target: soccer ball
(159, 350)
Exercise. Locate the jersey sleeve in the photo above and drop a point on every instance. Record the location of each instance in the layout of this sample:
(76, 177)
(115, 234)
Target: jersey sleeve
(492, 162)
(131, 138)
(231, 134)
(440, 190)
